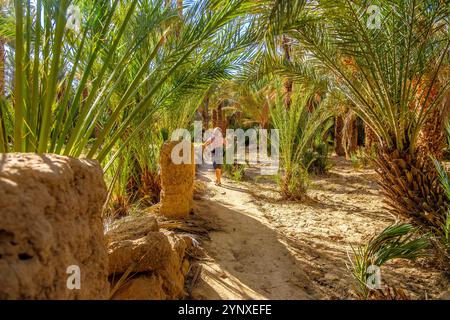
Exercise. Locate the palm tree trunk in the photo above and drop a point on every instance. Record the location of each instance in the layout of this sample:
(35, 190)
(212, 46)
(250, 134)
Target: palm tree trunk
(264, 119)
(220, 122)
(409, 180)
(288, 84)
(369, 138)
(214, 118)
(338, 140)
(205, 114)
(3, 139)
(2, 67)
(350, 135)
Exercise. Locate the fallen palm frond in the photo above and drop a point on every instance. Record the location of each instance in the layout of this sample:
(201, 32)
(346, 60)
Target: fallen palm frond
(124, 278)
(194, 277)
(182, 226)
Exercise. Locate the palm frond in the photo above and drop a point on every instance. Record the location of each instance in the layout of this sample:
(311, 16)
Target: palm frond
(397, 241)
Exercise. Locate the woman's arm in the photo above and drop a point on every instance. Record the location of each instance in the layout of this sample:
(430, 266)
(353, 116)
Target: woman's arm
(208, 142)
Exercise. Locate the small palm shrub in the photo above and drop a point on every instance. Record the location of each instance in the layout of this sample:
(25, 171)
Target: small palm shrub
(398, 241)
(235, 171)
(298, 127)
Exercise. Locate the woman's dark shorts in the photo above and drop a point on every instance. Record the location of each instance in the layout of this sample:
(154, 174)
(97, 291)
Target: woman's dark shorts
(216, 153)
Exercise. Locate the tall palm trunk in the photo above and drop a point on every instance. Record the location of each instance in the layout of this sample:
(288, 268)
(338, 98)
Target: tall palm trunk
(205, 114)
(220, 120)
(3, 138)
(350, 134)
(214, 118)
(369, 138)
(338, 140)
(264, 118)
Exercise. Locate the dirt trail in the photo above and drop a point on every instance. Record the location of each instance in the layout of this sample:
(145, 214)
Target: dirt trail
(249, 260)
(266, 248)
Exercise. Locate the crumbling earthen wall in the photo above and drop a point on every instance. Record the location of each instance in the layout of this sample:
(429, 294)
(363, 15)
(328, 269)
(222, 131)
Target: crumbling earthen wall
(51, 228)
(144, 262)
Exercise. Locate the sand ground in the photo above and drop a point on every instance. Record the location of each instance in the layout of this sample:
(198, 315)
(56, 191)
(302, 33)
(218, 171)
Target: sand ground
(263, 247)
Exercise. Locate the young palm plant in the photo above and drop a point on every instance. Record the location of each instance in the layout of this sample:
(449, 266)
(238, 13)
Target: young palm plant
(298, 127)
(398, 241)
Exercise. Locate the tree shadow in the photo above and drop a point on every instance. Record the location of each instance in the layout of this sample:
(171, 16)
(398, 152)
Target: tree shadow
(252, 261)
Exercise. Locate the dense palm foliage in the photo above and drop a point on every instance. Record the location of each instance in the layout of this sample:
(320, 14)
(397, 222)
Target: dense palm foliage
(78, 93)
(100, 87)
(111, 80)
(390, 74)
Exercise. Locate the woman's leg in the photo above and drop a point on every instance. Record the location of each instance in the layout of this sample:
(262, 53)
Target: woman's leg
(218, 174)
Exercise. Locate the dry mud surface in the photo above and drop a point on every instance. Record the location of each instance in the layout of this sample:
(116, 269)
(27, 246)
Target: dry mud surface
(268, 248)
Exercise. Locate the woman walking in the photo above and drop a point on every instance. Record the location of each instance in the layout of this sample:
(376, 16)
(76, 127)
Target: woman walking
(217, 142)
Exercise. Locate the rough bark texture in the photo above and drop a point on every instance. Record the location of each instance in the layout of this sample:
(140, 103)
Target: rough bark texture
(369, 138)
(146, 263)
(215, 121)
(265, 117)
(205, 114)
(177, 181)
(2, 67)
(432, 138)
(49, 220)
(288, 84)
(350, 136)
(220, 117)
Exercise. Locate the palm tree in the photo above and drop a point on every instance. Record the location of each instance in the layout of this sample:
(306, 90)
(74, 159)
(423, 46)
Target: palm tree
(121, 64)
(298, 127)
(288, 83)
(338, 139)
(205, 113)
(250, 100)
(380, 72)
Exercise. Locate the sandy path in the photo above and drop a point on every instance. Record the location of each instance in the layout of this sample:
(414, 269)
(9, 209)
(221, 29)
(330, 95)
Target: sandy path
(249, 260)
(266, 248)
